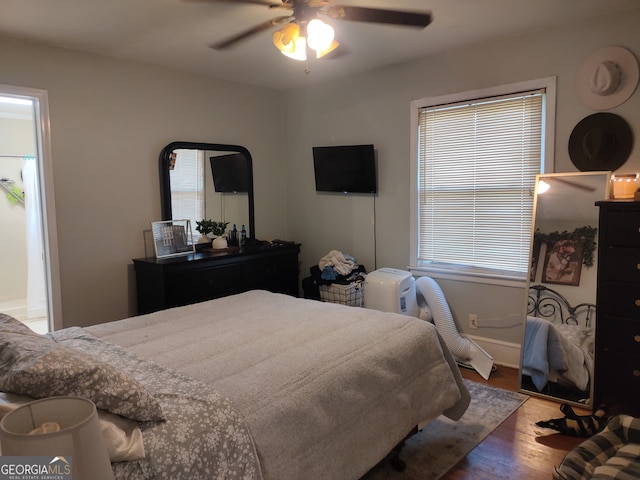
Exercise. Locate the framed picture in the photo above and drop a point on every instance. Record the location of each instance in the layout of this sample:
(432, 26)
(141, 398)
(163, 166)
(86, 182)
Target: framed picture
(563, 262)
(172, 238)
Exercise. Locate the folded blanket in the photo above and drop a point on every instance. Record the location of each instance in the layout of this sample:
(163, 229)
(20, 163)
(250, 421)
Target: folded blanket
(542, 351)
(548, 350)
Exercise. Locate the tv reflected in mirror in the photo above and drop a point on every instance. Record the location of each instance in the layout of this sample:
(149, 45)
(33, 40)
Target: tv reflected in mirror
(229, 173)
(229, 200)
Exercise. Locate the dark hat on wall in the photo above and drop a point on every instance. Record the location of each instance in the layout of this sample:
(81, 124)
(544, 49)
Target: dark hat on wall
(602, 141)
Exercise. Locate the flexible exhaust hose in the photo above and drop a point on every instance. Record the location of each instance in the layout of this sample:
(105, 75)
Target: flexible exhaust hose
(460, 346)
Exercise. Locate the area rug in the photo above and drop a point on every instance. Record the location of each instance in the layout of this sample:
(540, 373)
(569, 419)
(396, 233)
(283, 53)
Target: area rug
(443, 443)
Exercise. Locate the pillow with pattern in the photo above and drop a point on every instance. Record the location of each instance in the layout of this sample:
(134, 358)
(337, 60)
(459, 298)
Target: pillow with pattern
(37, 366)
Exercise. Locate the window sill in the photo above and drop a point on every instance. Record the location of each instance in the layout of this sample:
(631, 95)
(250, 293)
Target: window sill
(469, 275)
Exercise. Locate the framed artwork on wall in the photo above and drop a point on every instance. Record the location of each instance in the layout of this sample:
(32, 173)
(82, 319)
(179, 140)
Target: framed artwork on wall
(563, 262)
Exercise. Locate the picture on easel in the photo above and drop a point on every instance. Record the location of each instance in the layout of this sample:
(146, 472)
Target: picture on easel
(172, 238)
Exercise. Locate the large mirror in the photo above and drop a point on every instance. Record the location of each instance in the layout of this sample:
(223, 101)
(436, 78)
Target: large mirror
(207, 181)
(558, 345)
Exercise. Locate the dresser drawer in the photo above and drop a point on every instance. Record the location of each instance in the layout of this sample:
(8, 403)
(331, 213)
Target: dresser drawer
(165, 283)
(619, 334)
(619, 300)
(621, 264)
(623, 228)
(618, 382)
(276, 274)
(192, 286)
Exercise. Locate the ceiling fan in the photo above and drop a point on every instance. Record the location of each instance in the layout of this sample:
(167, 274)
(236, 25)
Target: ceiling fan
(302, 28)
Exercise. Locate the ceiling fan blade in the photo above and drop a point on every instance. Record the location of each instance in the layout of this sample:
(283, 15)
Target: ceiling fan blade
(265, 3)
(587, 188)
(376, 15)
(252, 31)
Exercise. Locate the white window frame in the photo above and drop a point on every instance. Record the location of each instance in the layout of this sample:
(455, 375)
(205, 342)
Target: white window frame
(459, 272)
(188, 199)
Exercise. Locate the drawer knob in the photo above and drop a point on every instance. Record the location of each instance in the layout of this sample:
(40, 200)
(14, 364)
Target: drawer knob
(636, 338)
(636, 373)
(638, 266)
(637, 302)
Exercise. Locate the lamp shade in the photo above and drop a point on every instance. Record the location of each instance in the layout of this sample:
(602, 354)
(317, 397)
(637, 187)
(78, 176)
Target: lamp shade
(319, 35)
(79, 437)
(285, 38)
(300, 52)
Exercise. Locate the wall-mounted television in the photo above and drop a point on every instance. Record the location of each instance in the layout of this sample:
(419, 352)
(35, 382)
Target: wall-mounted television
(230, 173)
(346, 169)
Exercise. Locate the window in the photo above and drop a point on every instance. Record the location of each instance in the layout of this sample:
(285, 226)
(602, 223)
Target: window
(476, 161)
(187, 186)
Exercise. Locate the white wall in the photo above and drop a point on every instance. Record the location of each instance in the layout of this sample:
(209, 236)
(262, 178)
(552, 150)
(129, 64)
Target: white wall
(16, 138)
(109, 122)
(110, 119)
(374, 108)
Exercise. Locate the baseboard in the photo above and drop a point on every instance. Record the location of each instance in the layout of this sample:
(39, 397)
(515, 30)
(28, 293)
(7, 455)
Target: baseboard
(16, 309)
(504, 353)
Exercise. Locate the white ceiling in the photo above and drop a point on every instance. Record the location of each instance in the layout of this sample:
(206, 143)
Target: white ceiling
(176, 33)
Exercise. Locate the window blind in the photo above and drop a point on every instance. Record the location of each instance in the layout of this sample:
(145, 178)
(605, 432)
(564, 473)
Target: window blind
(187, 186)
(477, 165)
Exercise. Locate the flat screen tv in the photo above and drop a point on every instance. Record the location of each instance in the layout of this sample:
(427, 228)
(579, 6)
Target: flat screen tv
(230, 173)
(346, 169)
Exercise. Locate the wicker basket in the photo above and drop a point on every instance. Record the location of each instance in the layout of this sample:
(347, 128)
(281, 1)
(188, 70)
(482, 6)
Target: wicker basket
(351, 294)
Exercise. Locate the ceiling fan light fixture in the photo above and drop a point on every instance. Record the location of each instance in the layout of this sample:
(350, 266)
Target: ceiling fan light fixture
(319, 35)
(329, 49)
(286, 38)
(300, 51)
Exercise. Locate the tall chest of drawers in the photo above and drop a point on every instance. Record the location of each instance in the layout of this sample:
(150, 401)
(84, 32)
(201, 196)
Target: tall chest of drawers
(617, 355)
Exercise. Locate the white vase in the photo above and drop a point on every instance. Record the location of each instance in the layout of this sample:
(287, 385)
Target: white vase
(219, 242)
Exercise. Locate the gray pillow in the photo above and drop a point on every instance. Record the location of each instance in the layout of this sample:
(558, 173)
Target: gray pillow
(37, 366)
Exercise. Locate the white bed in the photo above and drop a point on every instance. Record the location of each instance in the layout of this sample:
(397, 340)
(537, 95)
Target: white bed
(327, 391)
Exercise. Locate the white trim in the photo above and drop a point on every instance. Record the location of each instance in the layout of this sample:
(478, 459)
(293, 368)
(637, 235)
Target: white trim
(45, 173)
(504, 353)
(548, 83)
(469, 276)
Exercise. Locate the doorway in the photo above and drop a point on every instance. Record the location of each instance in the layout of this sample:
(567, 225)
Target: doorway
(29, 286)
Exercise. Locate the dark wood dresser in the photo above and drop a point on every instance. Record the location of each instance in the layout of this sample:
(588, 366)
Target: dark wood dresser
(617, 358)
(176, 281)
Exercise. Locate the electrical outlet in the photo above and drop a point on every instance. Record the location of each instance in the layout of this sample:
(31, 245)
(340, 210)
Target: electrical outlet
(473, 321)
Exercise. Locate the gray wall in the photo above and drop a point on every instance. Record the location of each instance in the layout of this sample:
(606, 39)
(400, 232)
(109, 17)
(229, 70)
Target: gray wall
(375, 108)
(109, 121)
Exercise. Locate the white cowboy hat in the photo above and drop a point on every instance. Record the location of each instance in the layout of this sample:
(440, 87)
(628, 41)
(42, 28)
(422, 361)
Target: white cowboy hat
(607, 78)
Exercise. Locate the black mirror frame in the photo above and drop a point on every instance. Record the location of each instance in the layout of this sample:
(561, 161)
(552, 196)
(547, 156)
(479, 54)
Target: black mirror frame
(165, 182)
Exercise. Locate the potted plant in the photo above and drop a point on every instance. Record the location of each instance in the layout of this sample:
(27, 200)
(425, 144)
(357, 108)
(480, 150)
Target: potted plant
(211, 229)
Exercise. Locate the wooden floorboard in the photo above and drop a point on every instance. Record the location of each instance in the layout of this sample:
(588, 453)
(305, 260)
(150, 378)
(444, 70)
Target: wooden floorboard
(517, 449)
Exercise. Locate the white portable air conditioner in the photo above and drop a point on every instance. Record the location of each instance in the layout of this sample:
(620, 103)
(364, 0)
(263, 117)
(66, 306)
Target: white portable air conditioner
(391, 290)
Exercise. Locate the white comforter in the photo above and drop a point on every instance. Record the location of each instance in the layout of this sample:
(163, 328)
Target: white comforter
(327, 390)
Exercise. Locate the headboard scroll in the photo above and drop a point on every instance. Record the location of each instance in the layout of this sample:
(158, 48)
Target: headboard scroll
(547, 303)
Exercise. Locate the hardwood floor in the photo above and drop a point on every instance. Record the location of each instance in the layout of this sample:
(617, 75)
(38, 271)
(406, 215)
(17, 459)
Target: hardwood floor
(517, 449)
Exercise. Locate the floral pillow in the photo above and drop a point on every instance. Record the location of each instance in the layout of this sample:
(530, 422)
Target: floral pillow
(34, 365)
(8, 324)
